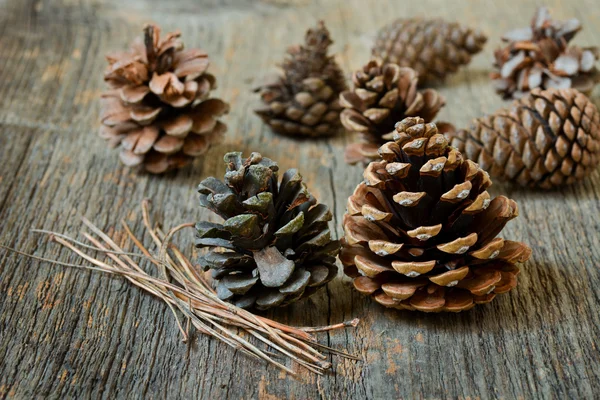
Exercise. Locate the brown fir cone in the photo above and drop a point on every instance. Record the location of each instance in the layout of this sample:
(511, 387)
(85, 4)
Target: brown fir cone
(383, 94)
(158, 109)
(420, 231)
(549, 138)
(432, 47)
(303, 101)
(539, 57)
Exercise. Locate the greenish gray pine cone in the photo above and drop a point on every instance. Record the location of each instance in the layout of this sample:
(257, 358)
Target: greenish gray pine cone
(274, 246)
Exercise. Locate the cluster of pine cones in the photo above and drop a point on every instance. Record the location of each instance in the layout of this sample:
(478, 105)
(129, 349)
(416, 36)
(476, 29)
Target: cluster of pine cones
(420, 232)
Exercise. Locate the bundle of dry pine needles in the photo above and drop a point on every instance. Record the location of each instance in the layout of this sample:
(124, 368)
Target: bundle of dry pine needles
(185, 290)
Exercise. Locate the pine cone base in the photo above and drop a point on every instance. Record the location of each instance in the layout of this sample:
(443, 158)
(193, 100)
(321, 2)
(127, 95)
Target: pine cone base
(312, 112)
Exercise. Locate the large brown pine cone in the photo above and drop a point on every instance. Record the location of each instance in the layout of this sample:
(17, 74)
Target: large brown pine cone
(432, 47)
(304, 101)
(158, 109)
(549, 138)
(383, 94)
(539, 57)
(274, 245)
(420, 231)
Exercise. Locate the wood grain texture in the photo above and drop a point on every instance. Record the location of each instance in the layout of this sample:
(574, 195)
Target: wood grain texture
(75, 334)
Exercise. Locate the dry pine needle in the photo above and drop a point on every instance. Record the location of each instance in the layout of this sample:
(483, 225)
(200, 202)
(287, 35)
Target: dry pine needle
(187, 293)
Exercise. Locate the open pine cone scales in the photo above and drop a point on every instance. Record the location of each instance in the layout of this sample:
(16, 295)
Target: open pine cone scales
(549, 138)
(158, 109)
(383, 94)
(432, 47)
(304, 101)
(420, 231)
(539, 56)
(274, 246)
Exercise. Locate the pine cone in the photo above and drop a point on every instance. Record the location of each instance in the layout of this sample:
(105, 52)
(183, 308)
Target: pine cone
(420, 231)
(304, 100)
(539, 57)
(549, 138)
(274, 246)
(158, 109)
(432, 47)
(383, 94)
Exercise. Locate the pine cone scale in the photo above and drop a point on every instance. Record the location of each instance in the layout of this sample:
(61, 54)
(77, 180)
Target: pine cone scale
(130, 159)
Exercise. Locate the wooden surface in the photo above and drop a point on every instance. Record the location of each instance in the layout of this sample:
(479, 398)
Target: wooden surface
(76, 334)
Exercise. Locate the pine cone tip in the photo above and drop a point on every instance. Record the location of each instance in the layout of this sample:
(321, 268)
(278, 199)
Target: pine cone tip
(318, 38)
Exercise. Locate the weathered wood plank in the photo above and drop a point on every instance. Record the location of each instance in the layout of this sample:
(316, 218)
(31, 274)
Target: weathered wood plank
(75, 334)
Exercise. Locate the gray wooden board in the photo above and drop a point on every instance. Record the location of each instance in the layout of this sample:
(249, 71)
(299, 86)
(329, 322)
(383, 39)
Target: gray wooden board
(76, 334)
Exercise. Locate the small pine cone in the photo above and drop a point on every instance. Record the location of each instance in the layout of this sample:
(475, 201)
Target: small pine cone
(158, 109)
(304, 101)
(274, 246)
(420, 231)
(539, 57)
(383, 94)
(549, 138)
(432, 47)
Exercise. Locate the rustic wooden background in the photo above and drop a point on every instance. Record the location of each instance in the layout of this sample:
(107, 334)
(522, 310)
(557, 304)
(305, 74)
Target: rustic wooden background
(77, 334)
